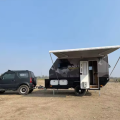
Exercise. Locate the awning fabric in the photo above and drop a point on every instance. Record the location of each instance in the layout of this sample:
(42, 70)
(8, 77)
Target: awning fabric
(85, 52)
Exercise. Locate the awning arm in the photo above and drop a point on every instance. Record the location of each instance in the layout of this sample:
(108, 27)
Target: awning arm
(114, 66)
(103, 52)
(53, 65)
(64, 55)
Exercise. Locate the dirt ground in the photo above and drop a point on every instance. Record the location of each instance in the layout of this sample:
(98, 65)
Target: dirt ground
(41, 105)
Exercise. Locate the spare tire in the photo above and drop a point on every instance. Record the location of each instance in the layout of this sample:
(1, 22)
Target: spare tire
(79, 91)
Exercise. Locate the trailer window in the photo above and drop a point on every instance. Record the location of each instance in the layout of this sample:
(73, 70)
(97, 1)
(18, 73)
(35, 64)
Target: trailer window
(90, 67)
(58, 65)
(81, 69)
(84, 68)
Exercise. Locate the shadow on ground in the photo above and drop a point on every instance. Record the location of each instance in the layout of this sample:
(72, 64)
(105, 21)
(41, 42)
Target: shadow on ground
(10, 93)
(49, 93)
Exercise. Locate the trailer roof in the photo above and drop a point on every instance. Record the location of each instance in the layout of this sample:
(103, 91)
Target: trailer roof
(85, 52)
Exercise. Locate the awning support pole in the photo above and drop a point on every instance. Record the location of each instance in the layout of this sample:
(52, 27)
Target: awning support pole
(99, 92)
(114, 66)
(55, 71)
(53, 65)
(53, 91)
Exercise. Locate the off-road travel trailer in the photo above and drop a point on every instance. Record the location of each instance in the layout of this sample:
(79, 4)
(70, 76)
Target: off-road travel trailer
(81, 69)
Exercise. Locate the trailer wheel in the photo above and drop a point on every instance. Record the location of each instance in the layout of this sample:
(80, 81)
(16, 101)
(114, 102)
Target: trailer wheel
(23, 90)
(79, 92)
(1, 92)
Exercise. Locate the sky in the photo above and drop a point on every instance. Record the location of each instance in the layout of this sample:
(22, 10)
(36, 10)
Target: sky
(29, 29)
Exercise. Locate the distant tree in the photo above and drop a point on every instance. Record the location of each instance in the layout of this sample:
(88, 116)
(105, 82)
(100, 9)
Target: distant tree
(43, 77)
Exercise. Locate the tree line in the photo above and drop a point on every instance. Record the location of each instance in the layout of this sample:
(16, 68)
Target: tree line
(43, 77)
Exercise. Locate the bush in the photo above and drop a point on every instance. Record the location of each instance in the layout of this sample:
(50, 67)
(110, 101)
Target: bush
(118, 80)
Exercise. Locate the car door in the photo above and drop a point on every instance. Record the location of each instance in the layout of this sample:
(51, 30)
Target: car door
(8, 81)
(84, 75)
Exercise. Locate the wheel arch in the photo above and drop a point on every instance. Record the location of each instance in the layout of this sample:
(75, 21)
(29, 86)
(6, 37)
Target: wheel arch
(23, 84)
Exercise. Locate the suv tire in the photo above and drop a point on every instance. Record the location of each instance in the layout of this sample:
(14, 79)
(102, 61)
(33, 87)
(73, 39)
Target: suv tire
(23, 90)
(79, 92)
(31, 91)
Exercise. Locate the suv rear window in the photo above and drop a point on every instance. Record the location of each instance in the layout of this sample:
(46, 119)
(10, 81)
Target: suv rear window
(23, 74)
(32, 75)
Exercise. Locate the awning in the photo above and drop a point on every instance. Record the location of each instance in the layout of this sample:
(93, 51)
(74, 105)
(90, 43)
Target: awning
(85, 52)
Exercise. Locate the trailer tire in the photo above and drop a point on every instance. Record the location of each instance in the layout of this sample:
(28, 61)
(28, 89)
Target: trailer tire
(1, 92)
(23, 90)
(79, 92)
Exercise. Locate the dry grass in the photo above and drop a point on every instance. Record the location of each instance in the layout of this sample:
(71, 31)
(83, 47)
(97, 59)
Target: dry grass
(41, 105)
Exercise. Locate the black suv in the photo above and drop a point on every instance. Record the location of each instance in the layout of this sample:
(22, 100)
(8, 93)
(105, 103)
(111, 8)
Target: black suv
(22, 81)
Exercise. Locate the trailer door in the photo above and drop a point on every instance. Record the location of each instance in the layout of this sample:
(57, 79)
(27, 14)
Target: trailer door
(84, 75)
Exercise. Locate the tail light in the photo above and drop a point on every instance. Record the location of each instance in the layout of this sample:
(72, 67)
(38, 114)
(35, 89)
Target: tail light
(30, 80)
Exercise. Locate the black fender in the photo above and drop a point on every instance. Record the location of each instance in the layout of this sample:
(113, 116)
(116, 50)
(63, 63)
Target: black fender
(25, 83)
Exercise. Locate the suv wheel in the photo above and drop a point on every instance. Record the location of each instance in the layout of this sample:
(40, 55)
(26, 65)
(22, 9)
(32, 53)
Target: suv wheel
(23, 90)
(79, 92)
(31, 91)
(1, 92)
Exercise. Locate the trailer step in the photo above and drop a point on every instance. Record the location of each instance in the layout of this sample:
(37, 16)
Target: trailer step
(93, 86)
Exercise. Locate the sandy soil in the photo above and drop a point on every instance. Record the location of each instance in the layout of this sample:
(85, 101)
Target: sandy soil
(41, 105)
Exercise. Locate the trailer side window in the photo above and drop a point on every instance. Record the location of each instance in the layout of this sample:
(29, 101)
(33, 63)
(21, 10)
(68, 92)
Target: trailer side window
(90, 67)
(59, 65)
(84, 68)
